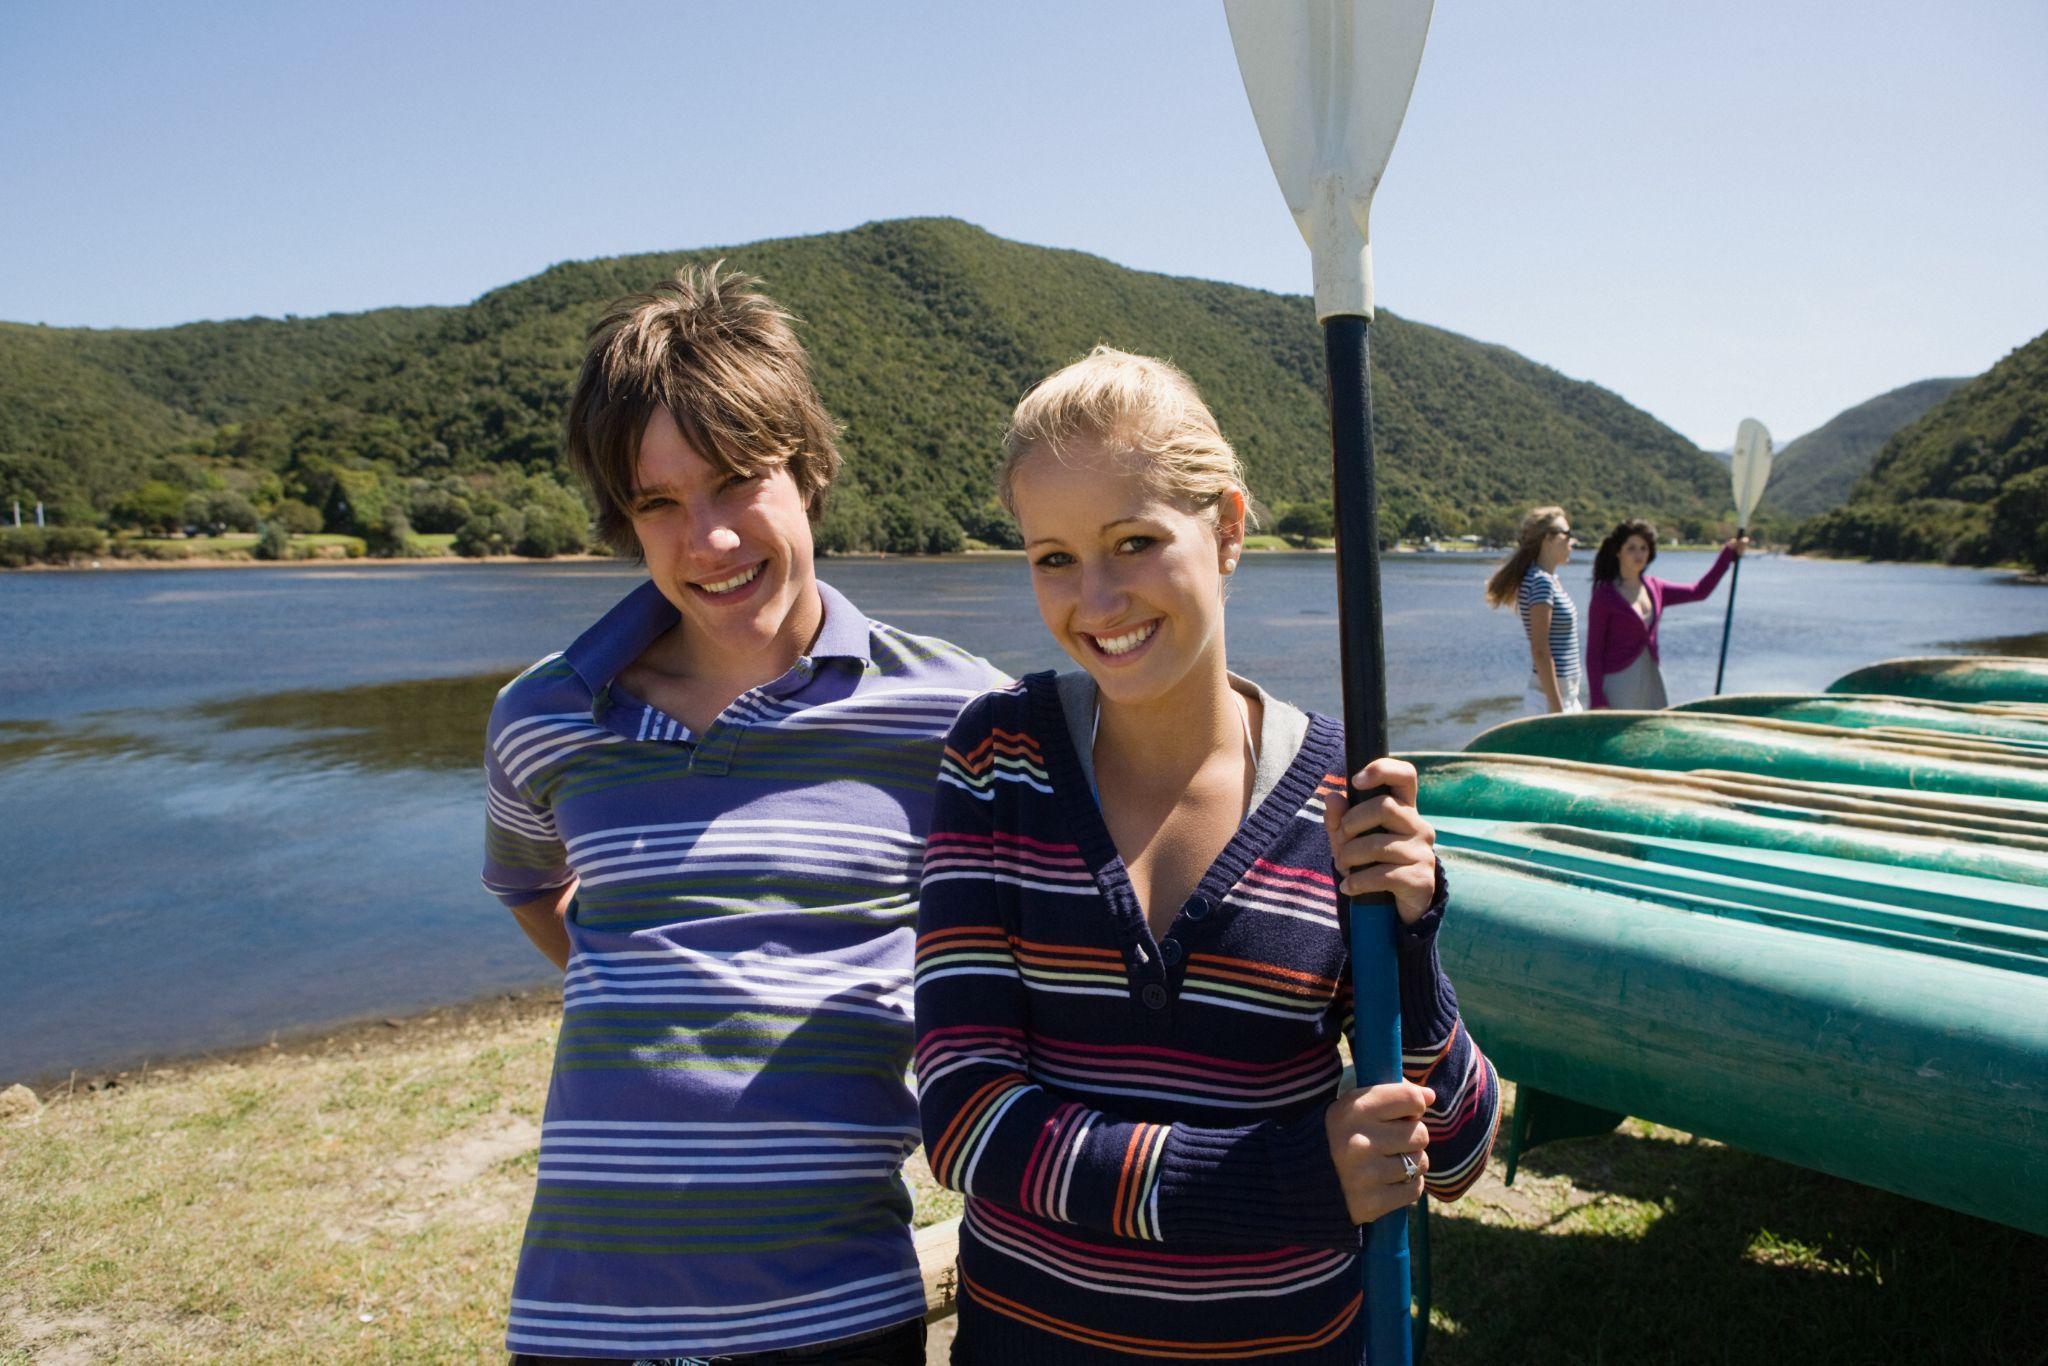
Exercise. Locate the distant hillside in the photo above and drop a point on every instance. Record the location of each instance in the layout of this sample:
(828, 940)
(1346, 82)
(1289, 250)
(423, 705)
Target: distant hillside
(924, 332)
(1815, 472)
(1966, 483)
(82, 411)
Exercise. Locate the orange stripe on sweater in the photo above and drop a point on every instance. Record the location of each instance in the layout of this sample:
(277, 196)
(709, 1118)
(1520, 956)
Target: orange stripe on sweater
(965, 1116)
(962, 932)
(1162, 1347)
(1423, 1075)
(1108, 962)
(973, 936)
(1119, 1217)
(1310, 982)
(1065, 950)
(1013, 743)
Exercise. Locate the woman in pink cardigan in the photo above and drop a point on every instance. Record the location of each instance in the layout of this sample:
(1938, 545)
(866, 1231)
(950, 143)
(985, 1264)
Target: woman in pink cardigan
(1621, 625)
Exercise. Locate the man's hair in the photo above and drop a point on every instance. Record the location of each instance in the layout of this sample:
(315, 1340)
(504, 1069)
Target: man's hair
(722, 358)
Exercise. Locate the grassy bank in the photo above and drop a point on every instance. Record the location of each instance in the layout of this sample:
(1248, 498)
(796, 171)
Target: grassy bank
(359, 1198)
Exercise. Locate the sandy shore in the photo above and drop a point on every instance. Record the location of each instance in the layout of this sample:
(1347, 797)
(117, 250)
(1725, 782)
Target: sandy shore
(369, 1034)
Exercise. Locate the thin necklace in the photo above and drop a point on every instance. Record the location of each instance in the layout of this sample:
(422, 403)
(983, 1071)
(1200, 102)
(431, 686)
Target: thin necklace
(1244, 719)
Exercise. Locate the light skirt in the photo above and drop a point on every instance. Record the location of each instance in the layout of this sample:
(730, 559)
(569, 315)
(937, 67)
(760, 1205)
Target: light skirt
(1639, 687)
(1534, 703)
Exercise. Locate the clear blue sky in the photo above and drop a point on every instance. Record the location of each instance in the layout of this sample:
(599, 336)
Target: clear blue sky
(1740, 209)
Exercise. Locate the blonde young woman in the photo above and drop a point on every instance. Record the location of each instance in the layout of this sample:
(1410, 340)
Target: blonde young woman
(1132, 968)
(1528, 578)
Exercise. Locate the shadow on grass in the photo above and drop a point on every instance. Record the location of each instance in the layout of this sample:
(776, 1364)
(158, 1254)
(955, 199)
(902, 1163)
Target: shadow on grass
(1659, 1248)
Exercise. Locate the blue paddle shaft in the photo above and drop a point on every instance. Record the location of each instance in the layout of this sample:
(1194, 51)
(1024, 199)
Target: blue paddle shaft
(1728, 619)
(1375, 973)
(1376, 1047)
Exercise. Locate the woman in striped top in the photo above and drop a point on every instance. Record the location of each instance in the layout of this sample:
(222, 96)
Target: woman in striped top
(1132, 968)
(1528, 578)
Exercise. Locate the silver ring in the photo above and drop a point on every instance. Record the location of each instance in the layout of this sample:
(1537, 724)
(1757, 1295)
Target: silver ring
(1410, 1169)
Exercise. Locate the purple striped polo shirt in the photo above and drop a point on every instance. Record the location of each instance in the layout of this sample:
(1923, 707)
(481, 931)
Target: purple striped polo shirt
(728, 1116)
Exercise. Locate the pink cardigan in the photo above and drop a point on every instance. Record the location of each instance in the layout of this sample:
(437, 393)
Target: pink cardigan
(1616, 635)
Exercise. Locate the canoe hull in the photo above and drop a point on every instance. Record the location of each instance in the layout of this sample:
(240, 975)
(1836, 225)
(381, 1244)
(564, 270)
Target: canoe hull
(1692, 741)
(1901, 835)
(1869, 712)
(1918, 1074)
(1956, 678)
(1971, 919)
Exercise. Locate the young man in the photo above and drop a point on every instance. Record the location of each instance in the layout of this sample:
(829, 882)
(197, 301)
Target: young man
(710, 811)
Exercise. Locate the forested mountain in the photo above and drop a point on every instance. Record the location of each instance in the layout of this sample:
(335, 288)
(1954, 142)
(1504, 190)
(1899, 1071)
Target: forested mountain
(1815, 472)
(1967, 483)
(85, 410)
(924, 333)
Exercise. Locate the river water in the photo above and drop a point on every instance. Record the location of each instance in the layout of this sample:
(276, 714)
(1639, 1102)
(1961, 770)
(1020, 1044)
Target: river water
(240, 801)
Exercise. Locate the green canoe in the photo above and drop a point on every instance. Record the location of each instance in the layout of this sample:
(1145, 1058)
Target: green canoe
(1954, 678)
(1689, 741)
(1714, 1004)
(1970, 919)
(1944, 835)
(1885, 715)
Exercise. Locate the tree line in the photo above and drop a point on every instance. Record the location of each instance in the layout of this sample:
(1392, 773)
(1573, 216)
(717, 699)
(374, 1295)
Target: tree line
(402, 423)
(1965, 484)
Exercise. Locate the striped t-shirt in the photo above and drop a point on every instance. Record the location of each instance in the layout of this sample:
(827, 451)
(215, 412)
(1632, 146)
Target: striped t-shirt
(1542, 586)
(719, 1164)
(1137, 1120)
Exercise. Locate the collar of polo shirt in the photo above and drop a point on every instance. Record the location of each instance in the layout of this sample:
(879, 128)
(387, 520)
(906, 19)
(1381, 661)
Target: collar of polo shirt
(602, 653)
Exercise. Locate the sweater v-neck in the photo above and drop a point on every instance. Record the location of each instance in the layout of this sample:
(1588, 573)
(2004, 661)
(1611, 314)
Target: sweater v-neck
(1319, 753)
(1649, 622)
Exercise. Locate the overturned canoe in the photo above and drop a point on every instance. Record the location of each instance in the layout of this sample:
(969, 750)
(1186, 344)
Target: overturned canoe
(1691, 741)
(1886, 715)
(1881, 826)
(1804, 1039)
(1955, 678)
(1969, 919)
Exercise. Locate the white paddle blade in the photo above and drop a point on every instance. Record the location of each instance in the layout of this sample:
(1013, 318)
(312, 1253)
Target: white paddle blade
(1329, 82)
(1750, 468)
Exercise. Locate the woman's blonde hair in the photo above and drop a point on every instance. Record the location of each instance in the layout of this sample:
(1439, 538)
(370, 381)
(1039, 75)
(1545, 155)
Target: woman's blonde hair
(1536, 527)
(1143, 408)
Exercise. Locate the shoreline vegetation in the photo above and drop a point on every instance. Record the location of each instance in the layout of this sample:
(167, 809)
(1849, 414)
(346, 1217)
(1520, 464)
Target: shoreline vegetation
(400, 424)
(373, 1180)
(922, 334)
(232, 549)
(2021, 574)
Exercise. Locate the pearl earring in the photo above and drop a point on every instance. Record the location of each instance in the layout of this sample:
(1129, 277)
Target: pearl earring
(1230, 566)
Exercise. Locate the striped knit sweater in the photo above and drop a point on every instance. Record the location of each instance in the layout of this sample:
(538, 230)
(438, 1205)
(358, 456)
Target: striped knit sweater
(1137, 1122)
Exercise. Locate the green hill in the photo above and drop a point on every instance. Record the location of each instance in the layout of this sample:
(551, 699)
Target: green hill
(83, 411)
(1966, 483)
(924, 333)
(1815, 473)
